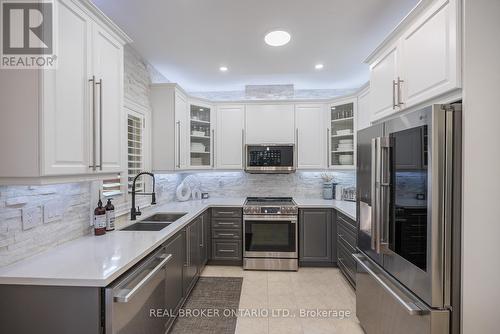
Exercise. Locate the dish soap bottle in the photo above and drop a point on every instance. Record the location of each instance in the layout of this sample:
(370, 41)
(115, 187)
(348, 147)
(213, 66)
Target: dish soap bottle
(110, 216)
(99, 218)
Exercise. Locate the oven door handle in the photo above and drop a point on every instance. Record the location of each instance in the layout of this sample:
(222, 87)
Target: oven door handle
(291, 219)
(119, 298)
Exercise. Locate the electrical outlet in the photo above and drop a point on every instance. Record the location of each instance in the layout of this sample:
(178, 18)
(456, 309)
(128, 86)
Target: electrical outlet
(32, 217)
(52, 211)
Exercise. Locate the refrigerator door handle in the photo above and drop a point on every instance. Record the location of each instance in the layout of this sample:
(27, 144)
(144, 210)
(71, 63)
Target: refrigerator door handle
(373, 186)
(384, 192)
(378, 196)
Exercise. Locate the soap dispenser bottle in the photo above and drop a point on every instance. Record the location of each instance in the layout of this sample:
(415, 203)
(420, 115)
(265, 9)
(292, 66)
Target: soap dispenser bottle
(110, 216)
(99, 218)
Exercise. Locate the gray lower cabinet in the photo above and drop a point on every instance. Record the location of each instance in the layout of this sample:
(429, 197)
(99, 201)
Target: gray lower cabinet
(226, 236)
(174, 281)
(204, 239)
(50, 309)
(192, 259)
(346, 247)
(317, 237)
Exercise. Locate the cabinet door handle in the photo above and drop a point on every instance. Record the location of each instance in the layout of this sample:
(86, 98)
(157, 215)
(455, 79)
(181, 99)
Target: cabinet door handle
(178, 144)
(227, 234)
(100, 123)
(394, 84)
(187, 247)
(213, 148)
(328, 147)
(226, 251)
(297, 147)
(400, 100)
(202, 232)
(94, 148)
(243, 151)
(222, 223)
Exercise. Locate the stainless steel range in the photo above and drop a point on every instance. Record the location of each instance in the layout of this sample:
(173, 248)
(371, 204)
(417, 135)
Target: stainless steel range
(270, 226)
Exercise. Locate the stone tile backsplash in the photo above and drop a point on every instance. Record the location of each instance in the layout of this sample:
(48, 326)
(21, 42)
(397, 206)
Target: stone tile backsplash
(16, 243)
(241, 184)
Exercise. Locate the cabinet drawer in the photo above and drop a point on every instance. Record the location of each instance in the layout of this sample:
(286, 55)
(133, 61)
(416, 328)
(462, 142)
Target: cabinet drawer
(349, 275)
(346, 220)
(226, 212)
(226, 234)
(226, 250)
(347, 236)
(226, 223)
(346, 263)
(345, 254)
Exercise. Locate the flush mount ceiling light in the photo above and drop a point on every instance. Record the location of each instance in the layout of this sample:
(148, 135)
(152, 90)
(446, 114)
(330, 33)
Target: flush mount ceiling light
(318, 66)
(223, 68)
(277, 38)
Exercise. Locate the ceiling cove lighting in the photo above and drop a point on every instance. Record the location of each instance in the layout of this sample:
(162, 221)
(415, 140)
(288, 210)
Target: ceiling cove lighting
(277, 38)
(223, 68)
(319, 66)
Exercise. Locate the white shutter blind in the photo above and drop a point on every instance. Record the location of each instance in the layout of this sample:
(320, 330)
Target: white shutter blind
(135, 156)
(112, 187)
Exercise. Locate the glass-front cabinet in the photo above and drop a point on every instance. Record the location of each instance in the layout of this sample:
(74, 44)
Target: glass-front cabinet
(341, 137)
(201, 136)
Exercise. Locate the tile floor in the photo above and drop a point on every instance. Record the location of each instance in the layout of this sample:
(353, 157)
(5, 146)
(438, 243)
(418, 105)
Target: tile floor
(307, 290)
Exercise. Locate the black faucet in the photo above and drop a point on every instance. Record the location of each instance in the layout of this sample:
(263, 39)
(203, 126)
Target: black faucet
(137, 212)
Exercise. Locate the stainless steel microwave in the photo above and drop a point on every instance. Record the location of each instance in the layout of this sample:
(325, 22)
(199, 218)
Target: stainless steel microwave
(270, 158)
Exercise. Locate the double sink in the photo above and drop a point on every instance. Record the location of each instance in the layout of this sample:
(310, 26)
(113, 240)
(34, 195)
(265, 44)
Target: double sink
(156, 222)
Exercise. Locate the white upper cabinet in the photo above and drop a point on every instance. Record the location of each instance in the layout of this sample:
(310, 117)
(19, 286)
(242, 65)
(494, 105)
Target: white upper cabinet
(430, 54)
(181, 130)
(341, 143)
(201, 134)
(66, 121)
(230, 137)
(270, 124)
(420, 63)
(108, 71)
(310, 136)
(364, 111)
(169, 127)
(383, 74)
(68, 125)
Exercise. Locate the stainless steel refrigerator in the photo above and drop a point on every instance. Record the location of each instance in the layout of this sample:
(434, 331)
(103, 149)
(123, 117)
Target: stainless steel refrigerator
(409, 194)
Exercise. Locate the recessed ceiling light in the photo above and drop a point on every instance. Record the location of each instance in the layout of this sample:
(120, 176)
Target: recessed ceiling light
(318, 66)
(223, 68)
(277, 38)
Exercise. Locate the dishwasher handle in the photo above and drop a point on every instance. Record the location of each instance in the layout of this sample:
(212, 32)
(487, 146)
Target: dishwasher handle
(125, 295)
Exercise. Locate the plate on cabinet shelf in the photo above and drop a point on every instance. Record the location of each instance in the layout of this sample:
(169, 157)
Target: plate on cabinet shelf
(200, 121)
(199, 137)
(343, 151)
(343, 135)
(342, 119)
(344, 132)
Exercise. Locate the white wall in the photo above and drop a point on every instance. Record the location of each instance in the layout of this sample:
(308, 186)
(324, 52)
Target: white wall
(481, 179)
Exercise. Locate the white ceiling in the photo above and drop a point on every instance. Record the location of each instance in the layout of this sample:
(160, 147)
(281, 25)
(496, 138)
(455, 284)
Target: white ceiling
(188, 40)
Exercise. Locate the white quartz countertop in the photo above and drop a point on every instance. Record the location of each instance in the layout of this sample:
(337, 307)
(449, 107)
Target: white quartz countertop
(346, 207)
(96, 261)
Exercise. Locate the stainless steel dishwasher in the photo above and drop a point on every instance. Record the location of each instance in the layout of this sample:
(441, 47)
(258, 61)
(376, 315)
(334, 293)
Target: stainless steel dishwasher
(131, 302)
